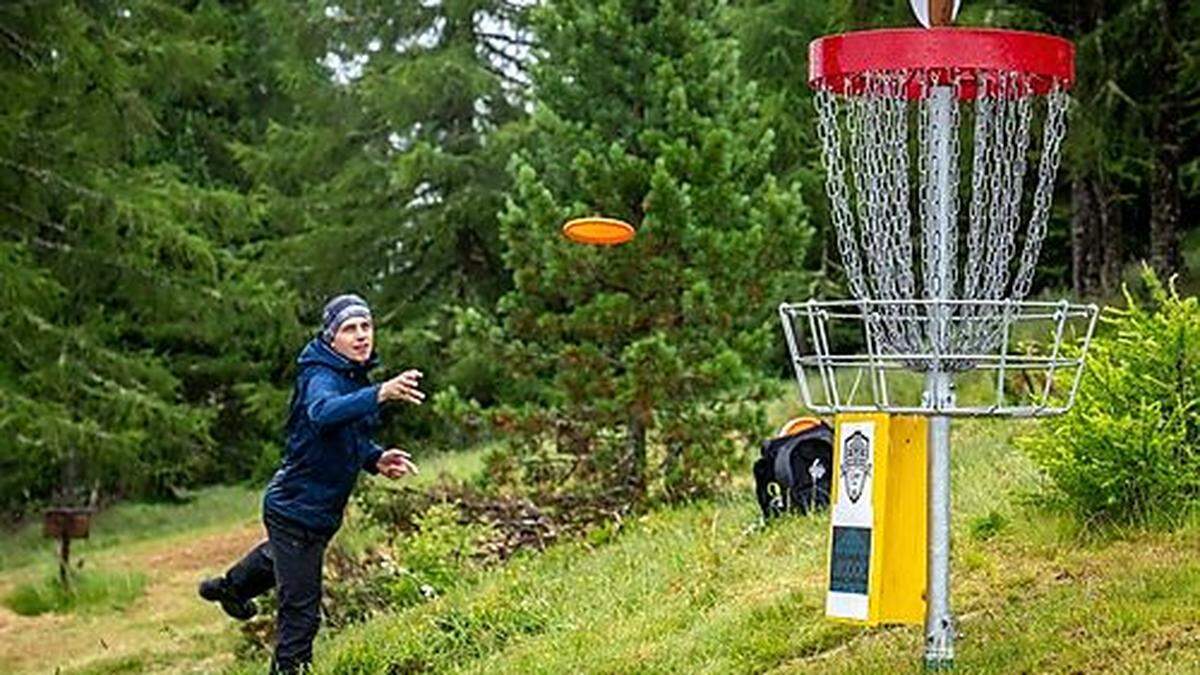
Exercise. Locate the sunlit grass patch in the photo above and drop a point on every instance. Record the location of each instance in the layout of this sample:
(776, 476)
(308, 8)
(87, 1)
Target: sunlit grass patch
(130, 522)
(89, 590)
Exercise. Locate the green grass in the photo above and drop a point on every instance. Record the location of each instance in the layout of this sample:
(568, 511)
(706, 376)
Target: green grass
(462, 464)
(131, 522)
(701, 588)
(1103, 606)
(206, 509)
(657, 587)
(89, 591)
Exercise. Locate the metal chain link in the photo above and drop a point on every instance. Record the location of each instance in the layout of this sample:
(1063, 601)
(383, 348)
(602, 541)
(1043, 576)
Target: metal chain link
(1007, 100)
(977, 218)
(837, 191)
(1054, 131)
(880, 151)
(926, 196)
(982, 158)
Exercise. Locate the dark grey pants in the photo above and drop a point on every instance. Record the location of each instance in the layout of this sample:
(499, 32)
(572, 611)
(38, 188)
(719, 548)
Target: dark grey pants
(289, 561)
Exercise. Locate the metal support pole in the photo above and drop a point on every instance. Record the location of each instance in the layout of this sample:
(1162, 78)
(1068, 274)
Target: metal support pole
(939, 623)
(939, 392)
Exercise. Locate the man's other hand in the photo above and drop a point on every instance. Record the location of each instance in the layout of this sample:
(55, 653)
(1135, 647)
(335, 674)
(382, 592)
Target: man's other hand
(396, 463)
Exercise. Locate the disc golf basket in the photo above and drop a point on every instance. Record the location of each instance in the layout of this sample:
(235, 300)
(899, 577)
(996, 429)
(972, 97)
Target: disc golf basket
(941, 147)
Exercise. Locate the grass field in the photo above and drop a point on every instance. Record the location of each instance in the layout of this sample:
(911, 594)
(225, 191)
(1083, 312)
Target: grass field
(700, 588)
(166, 548)
(696, 588)
(128, 523)
(163, 629)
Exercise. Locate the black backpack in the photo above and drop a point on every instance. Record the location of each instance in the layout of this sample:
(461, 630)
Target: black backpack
(796, 469)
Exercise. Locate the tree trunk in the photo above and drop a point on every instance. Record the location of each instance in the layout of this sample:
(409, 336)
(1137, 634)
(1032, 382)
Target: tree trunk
(637, 453)
(1164, 177)
(1085, 14)
(1085, 236)
(1111, 248)
(860, 13)
(1087, 193)
(1164, 194)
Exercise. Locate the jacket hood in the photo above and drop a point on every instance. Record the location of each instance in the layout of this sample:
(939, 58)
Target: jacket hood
(319, 352)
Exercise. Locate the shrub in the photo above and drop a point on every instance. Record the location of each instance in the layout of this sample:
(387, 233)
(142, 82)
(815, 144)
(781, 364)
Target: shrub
(1129, 450)
(439, 556)
(432, 551)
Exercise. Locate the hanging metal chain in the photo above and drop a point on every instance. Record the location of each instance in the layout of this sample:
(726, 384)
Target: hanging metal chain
(878, 122)
(837, 191)
(899, 240)
(1009, 104)
(977, 223)
(982, 158)
(1055, 129)
(1011, 143)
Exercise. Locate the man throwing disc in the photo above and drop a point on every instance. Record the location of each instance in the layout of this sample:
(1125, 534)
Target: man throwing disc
(333, 412)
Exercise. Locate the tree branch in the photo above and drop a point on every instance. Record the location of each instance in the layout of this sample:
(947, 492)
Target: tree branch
(14, 42)
(504, 55)
(506, 77)
(47, 177)
(510, 39)
(13, 208)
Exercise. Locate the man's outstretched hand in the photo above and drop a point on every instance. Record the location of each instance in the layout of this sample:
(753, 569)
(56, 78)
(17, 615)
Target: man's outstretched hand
(403, 387)
(396, 463)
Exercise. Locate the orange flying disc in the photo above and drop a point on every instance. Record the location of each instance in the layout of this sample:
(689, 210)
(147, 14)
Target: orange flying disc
(598, 231)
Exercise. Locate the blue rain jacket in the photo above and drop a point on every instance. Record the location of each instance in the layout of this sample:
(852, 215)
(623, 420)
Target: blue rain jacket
(333, 413)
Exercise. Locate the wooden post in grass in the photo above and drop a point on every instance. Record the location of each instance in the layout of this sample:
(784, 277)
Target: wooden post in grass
(64, 562)
(65, 524)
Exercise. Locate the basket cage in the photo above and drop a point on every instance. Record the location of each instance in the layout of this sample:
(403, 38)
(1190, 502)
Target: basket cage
(1032, 369)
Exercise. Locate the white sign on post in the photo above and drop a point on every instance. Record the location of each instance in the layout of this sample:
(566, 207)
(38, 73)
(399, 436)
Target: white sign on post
(853, 518)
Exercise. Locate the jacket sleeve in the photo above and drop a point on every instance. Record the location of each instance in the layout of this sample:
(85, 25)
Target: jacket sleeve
(371, 452)
(326, 408)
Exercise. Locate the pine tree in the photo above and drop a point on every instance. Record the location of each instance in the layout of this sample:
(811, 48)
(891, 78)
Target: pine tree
(636, 363)
(390, 180)
(131, 322)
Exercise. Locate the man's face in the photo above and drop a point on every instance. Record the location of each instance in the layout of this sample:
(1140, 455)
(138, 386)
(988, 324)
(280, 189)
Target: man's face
(354, 339)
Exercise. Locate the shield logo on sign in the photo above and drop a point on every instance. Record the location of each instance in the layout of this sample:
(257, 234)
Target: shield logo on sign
(856, 465)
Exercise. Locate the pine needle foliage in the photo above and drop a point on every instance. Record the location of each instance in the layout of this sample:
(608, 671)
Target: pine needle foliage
(130, 315)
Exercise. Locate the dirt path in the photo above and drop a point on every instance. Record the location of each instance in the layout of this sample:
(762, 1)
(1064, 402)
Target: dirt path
(167, 630)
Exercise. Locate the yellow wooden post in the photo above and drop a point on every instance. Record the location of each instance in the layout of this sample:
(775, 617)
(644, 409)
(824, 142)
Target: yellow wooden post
(877, 550)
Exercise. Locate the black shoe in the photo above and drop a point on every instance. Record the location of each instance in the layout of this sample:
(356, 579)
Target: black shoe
(214, 590)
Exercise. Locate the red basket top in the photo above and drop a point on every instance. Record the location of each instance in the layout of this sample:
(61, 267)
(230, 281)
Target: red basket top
(936, 56)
